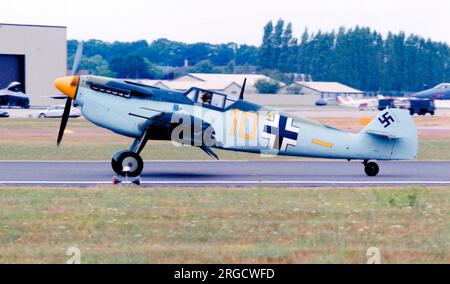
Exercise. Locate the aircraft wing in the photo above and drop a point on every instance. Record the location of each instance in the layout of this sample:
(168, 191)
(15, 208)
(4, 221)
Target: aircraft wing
(182, 128)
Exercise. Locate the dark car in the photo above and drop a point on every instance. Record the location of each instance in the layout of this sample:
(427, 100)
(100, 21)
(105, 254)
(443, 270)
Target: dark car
(4, 114)
(321, 103)
(14, 101)
(386, 103)
(422, 107)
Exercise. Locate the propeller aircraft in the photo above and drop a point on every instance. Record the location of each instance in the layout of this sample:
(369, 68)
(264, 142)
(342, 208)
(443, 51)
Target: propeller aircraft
(211, 120)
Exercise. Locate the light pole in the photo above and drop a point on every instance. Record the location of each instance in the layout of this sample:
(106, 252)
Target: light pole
(234, 46)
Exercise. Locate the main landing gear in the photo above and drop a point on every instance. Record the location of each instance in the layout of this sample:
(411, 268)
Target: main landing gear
(128, 163)
(371, 168)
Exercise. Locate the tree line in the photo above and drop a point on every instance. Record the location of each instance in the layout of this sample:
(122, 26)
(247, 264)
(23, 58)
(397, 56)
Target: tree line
(359, 57)
(140, 59)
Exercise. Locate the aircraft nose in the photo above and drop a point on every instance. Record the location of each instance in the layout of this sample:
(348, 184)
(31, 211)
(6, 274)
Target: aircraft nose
(68, 85)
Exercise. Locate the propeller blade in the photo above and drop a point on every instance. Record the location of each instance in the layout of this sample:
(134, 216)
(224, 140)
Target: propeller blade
(241, 96)
(66, 113)
(77, 58)
(64, 120)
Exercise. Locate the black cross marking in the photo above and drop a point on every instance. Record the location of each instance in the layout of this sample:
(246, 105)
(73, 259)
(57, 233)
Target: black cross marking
(281, 133)
(387, 120)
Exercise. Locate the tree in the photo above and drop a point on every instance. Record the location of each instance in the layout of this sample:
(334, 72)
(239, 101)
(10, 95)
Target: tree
(204, 66)
(358, 56)
(133, 67)
(277, 44)
(265, 86)
(247, 55)
(288, 52)
(230, 68)
(96, 65)
(153, 70)
(277, 75)
(266, 49)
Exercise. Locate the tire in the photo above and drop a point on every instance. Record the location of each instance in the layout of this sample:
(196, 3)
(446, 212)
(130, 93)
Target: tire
(130, 159)
(411, 112)
(372, 169)
(432, 112)
(42, 116)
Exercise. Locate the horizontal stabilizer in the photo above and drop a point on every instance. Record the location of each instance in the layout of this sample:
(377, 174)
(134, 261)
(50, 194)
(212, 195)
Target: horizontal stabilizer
(383, 134)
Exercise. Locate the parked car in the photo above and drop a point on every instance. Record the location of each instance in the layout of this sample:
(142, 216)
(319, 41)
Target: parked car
(4, 114)
(57, 112)
(12, 96)
(422, 107)
(321, 103)
(385, 103)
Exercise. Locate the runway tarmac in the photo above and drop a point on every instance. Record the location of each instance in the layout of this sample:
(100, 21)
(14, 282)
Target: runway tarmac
(228, 173)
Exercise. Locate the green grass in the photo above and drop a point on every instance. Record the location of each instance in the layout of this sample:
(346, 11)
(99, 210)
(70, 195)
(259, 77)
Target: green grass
(429, 150)
(153, 151)
(35, 123)
(224, 225)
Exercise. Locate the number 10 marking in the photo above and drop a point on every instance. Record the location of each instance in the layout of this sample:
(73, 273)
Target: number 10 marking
(246, 116)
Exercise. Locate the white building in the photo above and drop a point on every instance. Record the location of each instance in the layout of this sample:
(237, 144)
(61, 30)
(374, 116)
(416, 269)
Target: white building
(34, 56)
(324, 90)
(229, 84)
(232, 88)
(224, 80)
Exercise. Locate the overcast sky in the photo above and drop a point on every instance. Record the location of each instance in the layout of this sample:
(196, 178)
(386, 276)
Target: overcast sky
(221, 21)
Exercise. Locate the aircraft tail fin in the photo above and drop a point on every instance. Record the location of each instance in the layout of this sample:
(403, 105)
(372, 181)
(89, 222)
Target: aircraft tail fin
(385, 124)
(398, 125)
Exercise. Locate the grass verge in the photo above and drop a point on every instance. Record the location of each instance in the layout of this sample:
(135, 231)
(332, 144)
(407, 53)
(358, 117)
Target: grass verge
(224, 225)
(429, 150)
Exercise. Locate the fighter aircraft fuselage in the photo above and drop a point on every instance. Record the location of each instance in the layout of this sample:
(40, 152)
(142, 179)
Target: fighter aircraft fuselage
(440, 92)
(128, 109)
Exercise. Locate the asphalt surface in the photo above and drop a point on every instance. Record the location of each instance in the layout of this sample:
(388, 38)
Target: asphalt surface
(228, 173)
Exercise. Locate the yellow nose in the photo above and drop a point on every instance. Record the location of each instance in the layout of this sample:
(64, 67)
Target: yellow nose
(68, 85)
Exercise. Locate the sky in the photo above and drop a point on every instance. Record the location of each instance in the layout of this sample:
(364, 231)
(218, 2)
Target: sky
(226, 21)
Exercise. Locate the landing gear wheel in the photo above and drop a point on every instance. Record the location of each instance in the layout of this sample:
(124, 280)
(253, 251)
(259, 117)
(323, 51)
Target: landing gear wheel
(126, 163)
(372, 169)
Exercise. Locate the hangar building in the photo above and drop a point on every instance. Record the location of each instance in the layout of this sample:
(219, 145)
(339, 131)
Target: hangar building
(34, 56)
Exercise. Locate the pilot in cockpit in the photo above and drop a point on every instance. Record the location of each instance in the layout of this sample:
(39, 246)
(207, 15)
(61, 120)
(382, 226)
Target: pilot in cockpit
(206, 98)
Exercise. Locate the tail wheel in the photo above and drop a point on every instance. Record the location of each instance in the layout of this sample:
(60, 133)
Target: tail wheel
(372, 169)
(126, 163)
